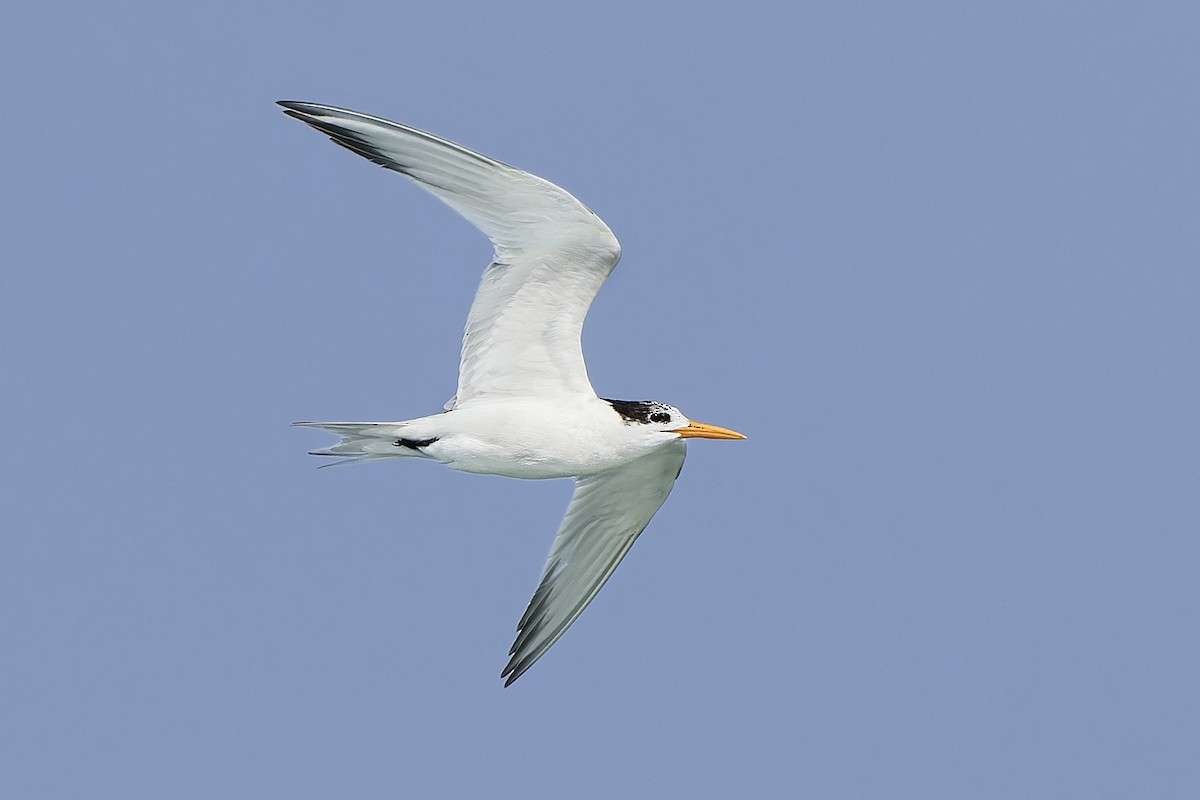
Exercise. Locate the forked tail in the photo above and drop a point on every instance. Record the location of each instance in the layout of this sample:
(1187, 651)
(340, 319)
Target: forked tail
(368, 441)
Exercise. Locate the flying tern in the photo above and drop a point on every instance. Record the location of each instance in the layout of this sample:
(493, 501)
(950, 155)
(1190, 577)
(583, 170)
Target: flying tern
(524, 406)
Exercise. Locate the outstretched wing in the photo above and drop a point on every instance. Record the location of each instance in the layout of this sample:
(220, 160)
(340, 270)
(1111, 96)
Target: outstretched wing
(553, 254)
(607, 513)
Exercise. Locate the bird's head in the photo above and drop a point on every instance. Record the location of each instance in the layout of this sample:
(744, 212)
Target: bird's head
(652, 416)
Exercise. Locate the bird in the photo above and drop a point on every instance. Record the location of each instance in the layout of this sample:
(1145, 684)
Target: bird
(524, 406)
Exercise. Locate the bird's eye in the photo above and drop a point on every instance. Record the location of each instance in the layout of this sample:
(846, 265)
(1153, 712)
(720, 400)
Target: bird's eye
(660, 416)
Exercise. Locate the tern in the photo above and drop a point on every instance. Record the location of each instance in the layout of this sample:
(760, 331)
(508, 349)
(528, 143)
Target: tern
(524, 407)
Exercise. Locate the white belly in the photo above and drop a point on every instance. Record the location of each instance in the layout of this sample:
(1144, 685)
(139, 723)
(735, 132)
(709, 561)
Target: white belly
(527, 439)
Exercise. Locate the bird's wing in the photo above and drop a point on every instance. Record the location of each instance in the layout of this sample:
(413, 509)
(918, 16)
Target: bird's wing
(552, 254)
(607, 513)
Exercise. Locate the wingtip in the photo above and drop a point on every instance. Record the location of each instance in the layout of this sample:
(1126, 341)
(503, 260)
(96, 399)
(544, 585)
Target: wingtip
(300, 110)
(518, 665)
(510, 675)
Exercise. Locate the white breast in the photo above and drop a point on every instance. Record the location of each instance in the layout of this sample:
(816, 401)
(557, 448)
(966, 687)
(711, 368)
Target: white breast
(528, 438)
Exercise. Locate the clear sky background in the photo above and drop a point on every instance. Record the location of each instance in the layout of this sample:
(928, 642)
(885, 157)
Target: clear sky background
(940, 261)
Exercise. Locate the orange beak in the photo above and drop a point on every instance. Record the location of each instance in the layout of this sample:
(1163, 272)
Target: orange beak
(698, 430)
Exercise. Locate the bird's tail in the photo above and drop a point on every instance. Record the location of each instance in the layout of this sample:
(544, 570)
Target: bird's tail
(368, 441)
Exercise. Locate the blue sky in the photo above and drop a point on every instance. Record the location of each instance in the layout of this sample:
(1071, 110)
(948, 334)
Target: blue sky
(938, 261)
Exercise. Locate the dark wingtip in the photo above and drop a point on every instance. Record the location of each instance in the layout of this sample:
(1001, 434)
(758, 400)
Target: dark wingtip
(305, 112)
(514, 669)
(511, 675)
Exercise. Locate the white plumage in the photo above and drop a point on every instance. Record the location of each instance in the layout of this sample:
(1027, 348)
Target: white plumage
(524, 405)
